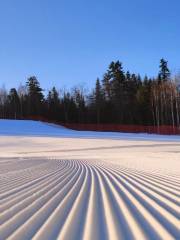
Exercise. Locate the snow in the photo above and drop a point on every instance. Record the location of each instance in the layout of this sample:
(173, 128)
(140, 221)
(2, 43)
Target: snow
(56, 183)
(35, 128)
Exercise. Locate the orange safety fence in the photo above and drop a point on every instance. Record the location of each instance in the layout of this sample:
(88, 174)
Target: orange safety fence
(164, 130)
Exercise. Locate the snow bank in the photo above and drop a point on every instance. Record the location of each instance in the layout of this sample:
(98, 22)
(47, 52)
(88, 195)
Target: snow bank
(35, 128)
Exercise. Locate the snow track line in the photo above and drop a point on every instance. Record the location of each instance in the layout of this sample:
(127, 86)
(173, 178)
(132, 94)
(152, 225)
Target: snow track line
(77, 199)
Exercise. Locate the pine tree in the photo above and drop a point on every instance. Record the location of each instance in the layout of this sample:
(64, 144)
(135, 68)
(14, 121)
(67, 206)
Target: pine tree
(107, 86)
(117, 87)
(79, 99)
(98, 100)
(164, 72)
(35, 96)
(14, 103)
(53, 102)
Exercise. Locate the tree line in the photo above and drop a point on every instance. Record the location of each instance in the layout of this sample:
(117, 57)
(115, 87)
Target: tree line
(119, 97)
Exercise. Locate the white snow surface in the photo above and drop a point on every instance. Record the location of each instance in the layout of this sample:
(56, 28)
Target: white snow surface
(56, 183)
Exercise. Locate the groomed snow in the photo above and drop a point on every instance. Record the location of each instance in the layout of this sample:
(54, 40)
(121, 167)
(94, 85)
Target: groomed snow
(57, 183)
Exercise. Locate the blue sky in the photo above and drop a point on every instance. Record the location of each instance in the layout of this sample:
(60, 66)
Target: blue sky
(65, 43)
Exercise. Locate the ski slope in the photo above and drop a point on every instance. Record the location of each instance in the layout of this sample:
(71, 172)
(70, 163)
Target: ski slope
(57, 183)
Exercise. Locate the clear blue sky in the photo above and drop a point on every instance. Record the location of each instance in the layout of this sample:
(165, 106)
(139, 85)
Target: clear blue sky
(65, 43)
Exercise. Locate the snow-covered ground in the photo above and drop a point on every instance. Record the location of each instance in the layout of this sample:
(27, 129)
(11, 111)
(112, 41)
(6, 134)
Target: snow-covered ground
(35, 128)
(57, 183)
